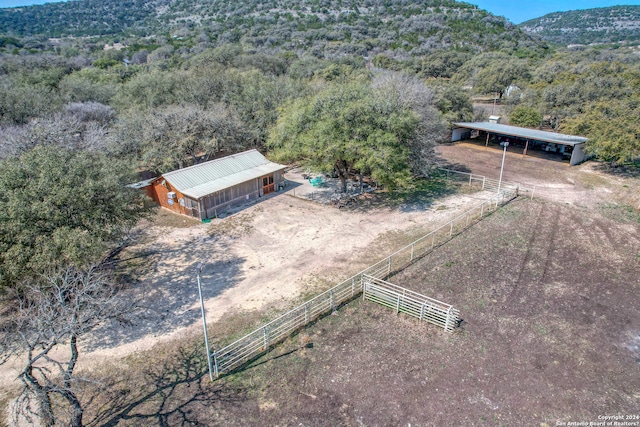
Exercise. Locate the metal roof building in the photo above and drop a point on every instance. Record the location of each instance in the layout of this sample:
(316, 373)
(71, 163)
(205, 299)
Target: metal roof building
(205, 178)
(568, 145)
(205, 189)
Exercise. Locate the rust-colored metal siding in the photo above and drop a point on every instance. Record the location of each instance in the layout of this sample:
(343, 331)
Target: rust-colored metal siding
(151, 193)
(161, 192)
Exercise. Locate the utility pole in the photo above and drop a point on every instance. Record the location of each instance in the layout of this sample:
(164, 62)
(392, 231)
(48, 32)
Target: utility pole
(495, 97)
(504, 154)
(204, 320)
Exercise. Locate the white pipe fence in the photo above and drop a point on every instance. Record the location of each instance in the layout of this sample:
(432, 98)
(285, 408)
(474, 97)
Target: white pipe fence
(260, 340)
(412, 303)
(487, 184)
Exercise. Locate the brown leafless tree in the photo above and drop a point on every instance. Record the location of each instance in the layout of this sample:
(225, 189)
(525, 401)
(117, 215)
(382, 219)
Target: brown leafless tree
(81, 126)
(48, 319)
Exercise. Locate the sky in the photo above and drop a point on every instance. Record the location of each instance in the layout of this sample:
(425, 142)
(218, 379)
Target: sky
(520, 11)
(514, 11)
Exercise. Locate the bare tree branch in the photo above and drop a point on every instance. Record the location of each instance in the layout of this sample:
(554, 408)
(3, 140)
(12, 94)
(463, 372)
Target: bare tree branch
(50, 313)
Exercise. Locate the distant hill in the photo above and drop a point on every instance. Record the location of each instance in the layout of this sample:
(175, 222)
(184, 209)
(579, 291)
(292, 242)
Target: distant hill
(323, 27)
(617, 24)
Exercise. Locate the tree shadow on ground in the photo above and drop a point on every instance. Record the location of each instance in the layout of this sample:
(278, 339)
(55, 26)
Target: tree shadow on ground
(176, 391)
(165, 298)
(421, 198)
(445, 164)
(626, 170)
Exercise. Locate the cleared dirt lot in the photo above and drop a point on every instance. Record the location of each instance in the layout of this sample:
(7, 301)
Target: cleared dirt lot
(259, 258)
(551, 332)
(584, 185)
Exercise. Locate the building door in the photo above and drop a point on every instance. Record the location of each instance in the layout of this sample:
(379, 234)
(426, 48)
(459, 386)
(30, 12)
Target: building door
(267, 184)
(192, 208)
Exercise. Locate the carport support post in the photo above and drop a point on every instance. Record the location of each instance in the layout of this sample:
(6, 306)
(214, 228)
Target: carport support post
(486, 143)
(526, 145)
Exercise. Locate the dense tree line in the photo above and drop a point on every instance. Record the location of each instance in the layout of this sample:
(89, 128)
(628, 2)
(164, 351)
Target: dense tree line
(591, 93)
(244, 88)
(325, 29)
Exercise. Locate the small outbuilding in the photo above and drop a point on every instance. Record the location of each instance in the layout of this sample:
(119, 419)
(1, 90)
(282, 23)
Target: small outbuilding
(569, 147)
(205, 189)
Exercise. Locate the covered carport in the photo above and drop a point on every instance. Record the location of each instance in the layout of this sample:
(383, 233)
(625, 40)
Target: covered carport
(569, 147)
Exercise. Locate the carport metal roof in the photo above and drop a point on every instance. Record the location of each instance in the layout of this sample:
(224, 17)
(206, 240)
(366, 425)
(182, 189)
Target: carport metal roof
(532, 134)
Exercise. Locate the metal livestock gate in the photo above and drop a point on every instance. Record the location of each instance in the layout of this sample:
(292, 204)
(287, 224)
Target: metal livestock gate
(409, 302)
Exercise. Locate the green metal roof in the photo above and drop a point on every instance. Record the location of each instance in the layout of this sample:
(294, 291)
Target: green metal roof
(206, 178)
(525, 133)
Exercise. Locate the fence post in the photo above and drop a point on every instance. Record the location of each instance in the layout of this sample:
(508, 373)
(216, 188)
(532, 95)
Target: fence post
(389, 269)
(470, 180)
(398, 305)
(331, 298)
(451, 229)
(433, 239)
(215, 365)
(266, 339)
(353, 286)
(306, 313)
(481, 210)
(446, 324)
(412, 245)
(364, 287)
(422, 311)
(364, 292)
(484, 178)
